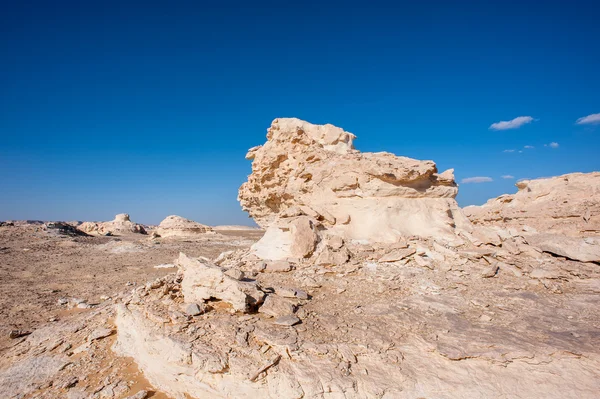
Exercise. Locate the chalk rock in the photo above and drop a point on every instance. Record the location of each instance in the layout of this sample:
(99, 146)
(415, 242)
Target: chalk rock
(203, 281)
(312, 172)
(569, 247)
(122, 224)
(177, 226)
(276, 306)
(567, 205)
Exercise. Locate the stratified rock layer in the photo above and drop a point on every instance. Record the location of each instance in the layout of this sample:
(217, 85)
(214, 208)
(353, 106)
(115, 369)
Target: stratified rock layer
(307, 179)
(559, 215)
(567, 205)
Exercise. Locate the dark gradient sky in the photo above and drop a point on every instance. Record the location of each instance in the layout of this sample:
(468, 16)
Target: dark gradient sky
(149, 107)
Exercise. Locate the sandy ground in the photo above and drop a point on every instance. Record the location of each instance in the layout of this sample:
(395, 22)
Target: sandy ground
(37, 268)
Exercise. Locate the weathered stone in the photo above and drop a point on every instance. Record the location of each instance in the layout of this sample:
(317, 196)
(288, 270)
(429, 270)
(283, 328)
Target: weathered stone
(572, 248)
(193, 309)
(397, 254)
(181, 227)
(235, 273)
(202, 281)
(328, 257)
(143, 394)
(100, 333)
(280, 266)
(288, 320)
(490, 271)
(122, 224)
(276, 306)
(565, 205)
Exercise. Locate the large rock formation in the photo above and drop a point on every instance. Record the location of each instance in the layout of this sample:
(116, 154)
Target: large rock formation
(309, 182)
(177, 226)
(567, 204)
(122, 224)
(559, 215)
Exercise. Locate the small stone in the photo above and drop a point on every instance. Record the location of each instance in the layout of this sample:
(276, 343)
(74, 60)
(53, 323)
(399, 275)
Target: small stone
(490, 271)
(279, 266)
(63, 301)
(276, 306)
(70, 383)
(301, 294)
(100, 333)
(193, 309)
(288, 320)
(18, 333)
(235, 274)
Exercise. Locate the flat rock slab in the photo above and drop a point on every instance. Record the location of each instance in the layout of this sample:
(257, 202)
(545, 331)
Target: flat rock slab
(397, 254)
(288, 320)
(569, 247)
(100, 333)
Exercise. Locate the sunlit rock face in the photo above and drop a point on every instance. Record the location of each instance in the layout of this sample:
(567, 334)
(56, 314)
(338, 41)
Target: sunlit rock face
(308, 182)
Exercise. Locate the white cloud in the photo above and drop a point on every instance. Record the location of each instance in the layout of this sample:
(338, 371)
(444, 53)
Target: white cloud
(477, 179)
(507, 177)
(589, 120)
(508, 151)
(512, 124)
(529, 147)
(553, 145)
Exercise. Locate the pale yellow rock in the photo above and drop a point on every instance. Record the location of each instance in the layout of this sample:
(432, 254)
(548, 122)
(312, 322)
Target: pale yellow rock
(362, 197)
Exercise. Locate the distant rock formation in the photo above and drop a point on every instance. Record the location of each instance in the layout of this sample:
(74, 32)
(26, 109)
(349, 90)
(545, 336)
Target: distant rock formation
(122, 224)
(177, 226)
(308, 181)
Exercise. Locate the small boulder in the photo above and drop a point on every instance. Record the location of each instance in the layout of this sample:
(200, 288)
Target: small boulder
(193, 309)
(276, 306)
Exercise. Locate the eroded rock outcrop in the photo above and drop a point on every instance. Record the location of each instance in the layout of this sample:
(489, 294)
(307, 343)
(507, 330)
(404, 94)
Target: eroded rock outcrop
(178, 226)
(567, 205)
(558, 215)
(122, 224)
(308, 182)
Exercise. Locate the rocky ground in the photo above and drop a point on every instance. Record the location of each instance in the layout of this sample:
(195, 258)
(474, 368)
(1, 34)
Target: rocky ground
(53, 284)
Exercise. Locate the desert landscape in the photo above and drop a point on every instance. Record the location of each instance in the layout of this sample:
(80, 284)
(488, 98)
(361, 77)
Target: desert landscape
(364, 280)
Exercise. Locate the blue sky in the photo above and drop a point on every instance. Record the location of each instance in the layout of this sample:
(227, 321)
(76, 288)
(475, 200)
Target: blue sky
(149, 108)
